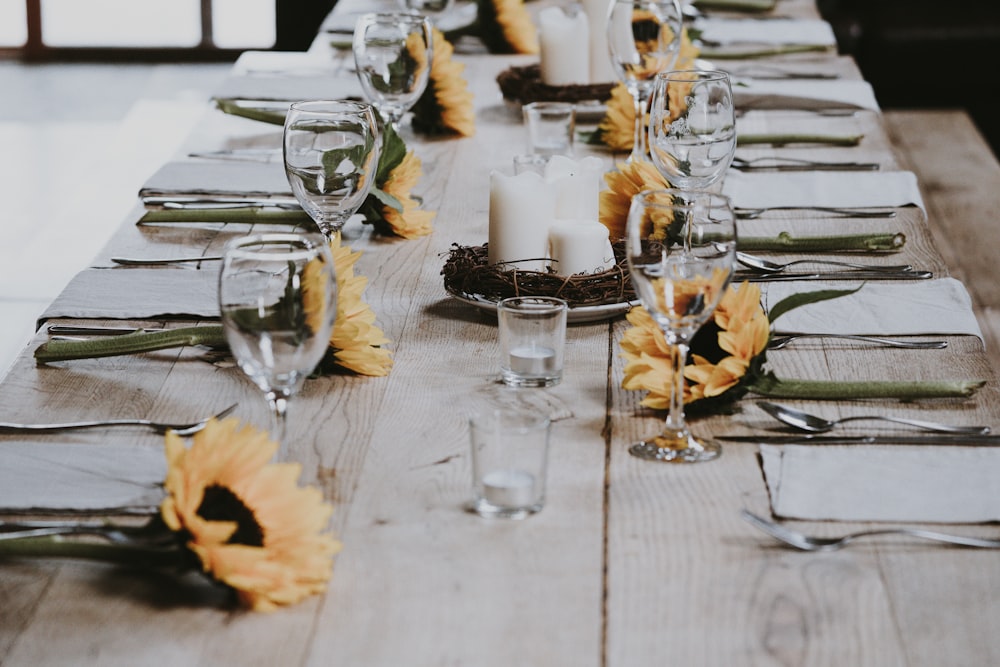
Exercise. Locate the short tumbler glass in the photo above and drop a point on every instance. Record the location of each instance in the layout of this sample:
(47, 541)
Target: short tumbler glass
(532, 340)
(510, 451)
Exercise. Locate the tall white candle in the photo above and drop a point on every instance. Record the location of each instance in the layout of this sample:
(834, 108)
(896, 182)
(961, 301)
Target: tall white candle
(600, 58)
(580, 246)
(564, 47)
(521, 209)
(577, 184)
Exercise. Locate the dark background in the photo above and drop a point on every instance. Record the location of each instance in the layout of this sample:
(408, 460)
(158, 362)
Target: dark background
(923, 54)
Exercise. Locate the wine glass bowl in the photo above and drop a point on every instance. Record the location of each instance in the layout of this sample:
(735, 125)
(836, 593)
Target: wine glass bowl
(392, 55)
(331, 150)
(692, 127)
(681, 250)
(644, 38)
(278, 303)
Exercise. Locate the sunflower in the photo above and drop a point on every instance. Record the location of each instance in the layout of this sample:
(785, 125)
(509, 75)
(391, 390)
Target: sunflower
(314, 294)
(357, 343)
(445, 107)
(248, 522)
(624, 183)
(506, 27)
(723, 350)
(412, 222)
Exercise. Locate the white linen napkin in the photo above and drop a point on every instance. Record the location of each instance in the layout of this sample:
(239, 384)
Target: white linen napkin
(139, 293)
(78, 476)
(841, 189)
(774, 31)
(927, 307)
(289, 87)
(945, 484)
(255, 179)
(804, 94)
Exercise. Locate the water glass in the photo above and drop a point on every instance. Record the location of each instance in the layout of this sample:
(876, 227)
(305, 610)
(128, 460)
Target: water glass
(278, 302)
(551, 126)
(532, 340)
(510, 450)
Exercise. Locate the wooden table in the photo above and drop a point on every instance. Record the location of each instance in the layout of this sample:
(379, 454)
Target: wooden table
(630, 563)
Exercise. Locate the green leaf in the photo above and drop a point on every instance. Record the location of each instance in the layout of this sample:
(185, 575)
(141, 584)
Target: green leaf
(234, 108)
(386, 199)
(804, 298)
(393, 151)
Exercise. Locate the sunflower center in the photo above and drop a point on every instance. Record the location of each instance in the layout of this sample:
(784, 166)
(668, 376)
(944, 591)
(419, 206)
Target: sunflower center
(221, 504)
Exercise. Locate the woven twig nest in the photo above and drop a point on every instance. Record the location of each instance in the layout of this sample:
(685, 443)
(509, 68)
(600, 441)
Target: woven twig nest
(524, 85)
(467, 272)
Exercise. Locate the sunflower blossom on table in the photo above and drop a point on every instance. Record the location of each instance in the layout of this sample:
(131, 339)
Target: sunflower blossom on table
(248, 522)
(412, 222)
(624, 182)
(505, 26)
(445, 107)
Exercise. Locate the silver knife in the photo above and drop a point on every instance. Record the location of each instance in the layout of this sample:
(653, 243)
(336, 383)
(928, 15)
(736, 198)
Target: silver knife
(219, 201)
(97, 330)
(940, 439)
(757, 277)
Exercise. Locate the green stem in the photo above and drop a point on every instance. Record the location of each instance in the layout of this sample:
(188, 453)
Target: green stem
(55, 546)
(273, 116)
(784, 139)
(851, 242)
(250, 214)
(713, 54)
(773, 387)
(140, 341)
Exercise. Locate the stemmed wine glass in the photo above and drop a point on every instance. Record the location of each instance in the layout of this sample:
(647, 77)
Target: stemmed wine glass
(692, 127)
(644, 38)
(331, 150)
(681, 249)
(278, 301)
(392, 54)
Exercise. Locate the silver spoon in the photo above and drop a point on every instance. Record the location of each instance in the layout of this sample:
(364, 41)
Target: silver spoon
(753, 213)
(767, 266)
(781, 342)
(808, 543)
(807, 422)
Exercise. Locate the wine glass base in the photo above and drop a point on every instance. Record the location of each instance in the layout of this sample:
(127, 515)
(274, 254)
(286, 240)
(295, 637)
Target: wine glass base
(688, 450)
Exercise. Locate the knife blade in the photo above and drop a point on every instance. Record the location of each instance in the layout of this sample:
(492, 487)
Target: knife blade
(939, 439)
(757, 277)
(219, 201)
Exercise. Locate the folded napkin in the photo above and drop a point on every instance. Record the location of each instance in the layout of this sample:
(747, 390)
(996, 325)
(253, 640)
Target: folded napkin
(139, 293)
(840, 189)
(945, 484)
(285, 63)
(289, 87)
(78, 476)
(773, 31)
(932, 307)
(804, 94)
(196, 177)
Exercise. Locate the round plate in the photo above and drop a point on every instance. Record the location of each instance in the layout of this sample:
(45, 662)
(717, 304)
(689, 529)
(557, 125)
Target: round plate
(576, 315)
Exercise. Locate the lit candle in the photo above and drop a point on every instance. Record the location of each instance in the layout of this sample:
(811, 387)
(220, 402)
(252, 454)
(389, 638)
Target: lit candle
(564, 47)
(509, 488)
(580, 246)
(578, 185)
(600, 58)
(521, 209)
(533, 360)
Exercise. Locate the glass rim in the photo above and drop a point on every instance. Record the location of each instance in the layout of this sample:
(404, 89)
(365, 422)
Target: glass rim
(701, 75)
(331, 106)
(286, 245)
(542, 304)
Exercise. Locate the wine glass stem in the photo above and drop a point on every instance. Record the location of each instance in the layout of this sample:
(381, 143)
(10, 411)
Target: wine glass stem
(279, 419)
(639, 139)
(675, 428)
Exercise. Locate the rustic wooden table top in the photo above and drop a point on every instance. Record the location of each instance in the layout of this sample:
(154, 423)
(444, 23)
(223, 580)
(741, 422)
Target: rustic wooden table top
(629, 563)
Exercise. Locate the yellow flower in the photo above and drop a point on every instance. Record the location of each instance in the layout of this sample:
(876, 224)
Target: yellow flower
(358, 344)
(623, 184)
(676, 297)
(314, 294)
(742, 330)
(617, 127)
(248, 522)
(517, 26)
(446, 105)
(417, 51)
(412, 221)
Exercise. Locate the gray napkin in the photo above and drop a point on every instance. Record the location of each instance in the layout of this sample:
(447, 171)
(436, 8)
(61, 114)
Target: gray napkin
(139, 293)
(804, 94)
(775, 31)
(255, 179)
(846, 189)
(76, 476)
(945, 484)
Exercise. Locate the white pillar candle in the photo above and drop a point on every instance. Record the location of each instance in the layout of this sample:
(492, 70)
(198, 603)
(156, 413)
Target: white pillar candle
(577, 184)
(601, 70)
(521, 209)
(564, 47)
(580, 246)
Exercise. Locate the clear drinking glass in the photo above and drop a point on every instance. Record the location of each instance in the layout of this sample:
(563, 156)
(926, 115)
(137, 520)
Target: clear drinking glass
(692, 127)
(392, 54)
(278, 300)
(432, 9)
(331, 150)
(681, 249)
(644, 38)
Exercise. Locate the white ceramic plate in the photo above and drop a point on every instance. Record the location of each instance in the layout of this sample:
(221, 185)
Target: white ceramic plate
(577, 315)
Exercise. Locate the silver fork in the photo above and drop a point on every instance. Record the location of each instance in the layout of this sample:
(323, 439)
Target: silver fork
(782, 341)
(754, 213)
(809, 543)
(158, 427)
